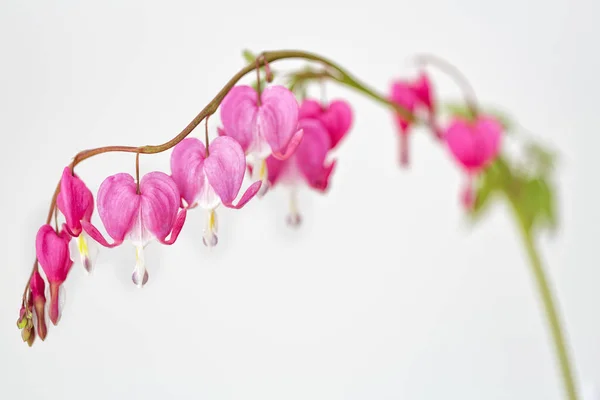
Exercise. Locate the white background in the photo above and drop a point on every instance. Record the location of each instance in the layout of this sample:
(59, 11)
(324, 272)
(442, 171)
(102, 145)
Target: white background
(385, 293)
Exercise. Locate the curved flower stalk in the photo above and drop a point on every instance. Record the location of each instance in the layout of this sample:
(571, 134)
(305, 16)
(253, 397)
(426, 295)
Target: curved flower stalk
(264, 124)
(76, 202)
(138, 215)
(324, 127)
(474, 145)
(210, 177)
(414, 96)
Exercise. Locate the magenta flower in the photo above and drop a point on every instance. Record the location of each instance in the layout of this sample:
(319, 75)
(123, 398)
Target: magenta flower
(53, 255)
(37, 287)
(307, 165)
(474, 144)
(264, 125)
(413, 96)
(76, 202)
(424, 92)
(335, 117)
(150, 214)
(210, 178)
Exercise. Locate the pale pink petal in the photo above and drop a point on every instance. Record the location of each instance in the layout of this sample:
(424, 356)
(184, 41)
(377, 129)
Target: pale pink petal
(176, 228)
(187, 168)
(225, 167)
(277, 119)
(337, 120)
(95, 234)
(247, 196)
(75, 201)
(310, 109)
(291, 147)
(160, 203)
(118, 205)
(238, 114)
(52, 251)
(312, 153)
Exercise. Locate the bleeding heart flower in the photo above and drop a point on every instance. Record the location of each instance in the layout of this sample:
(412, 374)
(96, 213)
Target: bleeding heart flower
(335, 117)
(424, 92)
(37, 287)
(474, 144)
(308, 164)
(210, 178)
(76, 202)
(403, 95)
(264, 125)
(411, 95)
(150, 214)
(53, 255)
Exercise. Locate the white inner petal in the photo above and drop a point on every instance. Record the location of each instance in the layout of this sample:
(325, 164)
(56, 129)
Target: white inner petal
(139, 235)
(208, 198)
(290, 174)
(259, 147)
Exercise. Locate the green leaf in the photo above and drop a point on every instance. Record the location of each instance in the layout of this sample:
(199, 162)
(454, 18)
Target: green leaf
(546, 215)
(542, 159)
(535, 203)
(490, 182)
(248, 56)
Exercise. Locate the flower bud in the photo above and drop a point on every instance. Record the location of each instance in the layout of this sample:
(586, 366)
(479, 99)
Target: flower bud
(38, 286)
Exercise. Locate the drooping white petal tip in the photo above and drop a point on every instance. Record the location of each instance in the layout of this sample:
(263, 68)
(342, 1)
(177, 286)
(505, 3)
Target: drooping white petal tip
(140, 275)
(209, 238)
(293, 219)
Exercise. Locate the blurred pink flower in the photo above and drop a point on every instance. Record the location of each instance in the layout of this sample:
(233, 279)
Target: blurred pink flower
(474, 145)
(307, 165)
(412, 96)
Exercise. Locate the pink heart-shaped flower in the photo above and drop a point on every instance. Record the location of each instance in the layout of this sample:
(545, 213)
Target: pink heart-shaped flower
(52, 250)
(150, 214)
(474, 144)
(270, 127)
(75, 201)
(336, 117)
(308, 162)
(214, 179)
